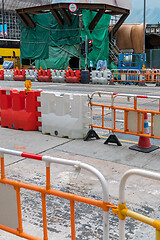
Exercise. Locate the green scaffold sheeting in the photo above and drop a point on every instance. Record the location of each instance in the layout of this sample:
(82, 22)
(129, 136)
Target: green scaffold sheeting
(36, 43)
(99, 36)
(52, 45)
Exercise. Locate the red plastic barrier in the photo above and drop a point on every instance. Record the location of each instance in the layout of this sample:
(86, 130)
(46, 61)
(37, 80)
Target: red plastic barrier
(44, 75)
(73, 76)
(19, 111)
(1, 74)
(19, 74)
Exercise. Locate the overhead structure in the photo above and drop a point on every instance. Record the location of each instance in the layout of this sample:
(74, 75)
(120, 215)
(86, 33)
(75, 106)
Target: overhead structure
(60, 12)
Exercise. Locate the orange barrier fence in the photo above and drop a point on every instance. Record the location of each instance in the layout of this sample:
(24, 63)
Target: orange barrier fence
(136, 76)
(133, 117)
(12, 187)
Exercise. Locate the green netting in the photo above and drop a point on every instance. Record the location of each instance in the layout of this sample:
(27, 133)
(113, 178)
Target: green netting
(52, 45)
(35, 42)
(99, 36)
(58, 58)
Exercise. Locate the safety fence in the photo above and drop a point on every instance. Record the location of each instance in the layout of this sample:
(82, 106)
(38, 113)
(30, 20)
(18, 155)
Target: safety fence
(20, 111)
(133, 116)
(137, 77)
(14, 223)
(11, 221)
(64, 114)
(40, 75)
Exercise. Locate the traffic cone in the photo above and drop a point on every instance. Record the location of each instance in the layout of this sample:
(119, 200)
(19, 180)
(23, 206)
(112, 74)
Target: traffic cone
(144, 144)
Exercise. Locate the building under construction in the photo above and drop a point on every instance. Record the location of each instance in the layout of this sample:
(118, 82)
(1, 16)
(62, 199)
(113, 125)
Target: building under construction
(14, 23)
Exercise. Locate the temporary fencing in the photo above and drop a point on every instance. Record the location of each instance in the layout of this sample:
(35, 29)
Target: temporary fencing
(139, 77)
(31, 74)
(20, 111)
(64, 114)
(19, 74)
(1, 74)
(100, 77)
(12, 221)
(58, 76)
(73, 76)
(8, 75)
(123, 211)
(134, 117)
(44, 75)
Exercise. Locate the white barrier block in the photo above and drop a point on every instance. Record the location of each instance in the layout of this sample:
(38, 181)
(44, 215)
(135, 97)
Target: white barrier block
(31, 74)
(132, 121)
(8, 206)
(8, 75)
(156, 128)
(58, 76)
(64, 115)
(99, 77)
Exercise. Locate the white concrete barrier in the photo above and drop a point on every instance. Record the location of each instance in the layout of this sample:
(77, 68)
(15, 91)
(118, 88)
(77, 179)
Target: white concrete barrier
(8, 75)
(58, 76)
(64, 115)
(31, 74)
(98, 77)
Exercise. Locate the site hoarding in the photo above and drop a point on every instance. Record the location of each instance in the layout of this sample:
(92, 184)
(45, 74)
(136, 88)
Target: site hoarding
(116, 3)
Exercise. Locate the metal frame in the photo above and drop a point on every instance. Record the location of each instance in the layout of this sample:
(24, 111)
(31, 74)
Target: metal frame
(63, 7)
(104, 204)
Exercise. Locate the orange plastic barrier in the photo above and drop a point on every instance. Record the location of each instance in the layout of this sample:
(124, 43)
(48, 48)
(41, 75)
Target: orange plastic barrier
(134, 117)
(73, 76)
(47, 190)
(44, 75)
(136, 76)
(19, 74)
(18, 110)
(1, 74)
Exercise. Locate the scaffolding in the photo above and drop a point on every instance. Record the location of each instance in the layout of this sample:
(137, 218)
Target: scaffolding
(9, 18)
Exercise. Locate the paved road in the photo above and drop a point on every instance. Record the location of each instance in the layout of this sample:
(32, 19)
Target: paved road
(142, 195)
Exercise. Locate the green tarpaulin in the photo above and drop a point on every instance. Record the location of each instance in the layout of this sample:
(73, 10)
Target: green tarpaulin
(52, 45)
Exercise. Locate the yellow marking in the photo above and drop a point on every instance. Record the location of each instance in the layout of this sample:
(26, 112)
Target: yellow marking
(121, 140)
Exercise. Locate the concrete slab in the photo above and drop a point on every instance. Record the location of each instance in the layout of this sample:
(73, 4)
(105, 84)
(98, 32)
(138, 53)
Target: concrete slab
(27, 141)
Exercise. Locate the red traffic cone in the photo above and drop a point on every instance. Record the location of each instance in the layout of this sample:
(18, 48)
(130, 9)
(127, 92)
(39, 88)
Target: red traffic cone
(144, 144)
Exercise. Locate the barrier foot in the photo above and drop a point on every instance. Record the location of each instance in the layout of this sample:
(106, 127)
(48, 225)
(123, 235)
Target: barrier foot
(142, 84)
(145, 150)
(111, 83)
(91, 134)
(113, 139)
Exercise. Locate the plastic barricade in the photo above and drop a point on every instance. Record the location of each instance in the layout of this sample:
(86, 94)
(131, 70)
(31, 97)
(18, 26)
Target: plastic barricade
(20, 111)
(99, 77)
(64, 115)
(19, 74)
(73, 76)
(8, 75)
(44, 75)
(58, 76)
(31, 74)
(1, 74)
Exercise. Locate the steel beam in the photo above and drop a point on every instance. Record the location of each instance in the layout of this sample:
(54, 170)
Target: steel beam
(118, 24)
(29, 20)
(57, 16)
(96, 19)
(66, 16)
